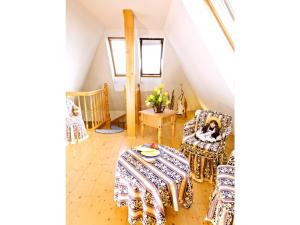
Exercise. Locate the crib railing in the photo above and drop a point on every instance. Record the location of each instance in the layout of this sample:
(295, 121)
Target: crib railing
(94, 106)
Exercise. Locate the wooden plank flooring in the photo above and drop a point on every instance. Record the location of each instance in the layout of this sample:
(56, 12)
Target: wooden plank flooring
(90, 179)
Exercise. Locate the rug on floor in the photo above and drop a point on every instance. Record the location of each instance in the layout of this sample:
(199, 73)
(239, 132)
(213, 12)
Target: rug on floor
(114, 129)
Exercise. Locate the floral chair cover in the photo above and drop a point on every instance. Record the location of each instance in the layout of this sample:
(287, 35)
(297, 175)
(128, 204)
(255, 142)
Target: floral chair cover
(75, 129)
(221, 207)
(204, 157)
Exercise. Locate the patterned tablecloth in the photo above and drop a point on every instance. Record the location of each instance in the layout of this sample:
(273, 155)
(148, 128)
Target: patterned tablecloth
(148, 187)
(221, 209)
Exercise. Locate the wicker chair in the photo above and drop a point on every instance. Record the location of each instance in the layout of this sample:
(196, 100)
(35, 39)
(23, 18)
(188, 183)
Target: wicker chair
(75, 129)
(204, 157)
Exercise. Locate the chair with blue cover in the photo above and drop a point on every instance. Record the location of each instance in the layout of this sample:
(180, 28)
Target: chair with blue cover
(205, 155)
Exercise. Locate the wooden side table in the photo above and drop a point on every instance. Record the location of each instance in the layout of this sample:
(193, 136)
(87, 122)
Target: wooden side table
(158, 120)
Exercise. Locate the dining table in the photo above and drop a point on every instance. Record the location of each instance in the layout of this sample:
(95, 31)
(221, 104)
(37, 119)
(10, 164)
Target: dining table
(149, 184)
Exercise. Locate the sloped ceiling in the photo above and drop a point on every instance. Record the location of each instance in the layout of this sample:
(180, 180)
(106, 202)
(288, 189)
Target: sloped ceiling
(202, 69)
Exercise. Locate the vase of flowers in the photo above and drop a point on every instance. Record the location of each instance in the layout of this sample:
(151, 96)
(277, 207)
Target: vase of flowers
(158, 99)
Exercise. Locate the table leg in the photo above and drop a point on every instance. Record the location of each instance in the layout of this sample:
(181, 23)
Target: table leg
(142, 129)
(142, 125)
(159, 135)
(173, 129)
(173, 126)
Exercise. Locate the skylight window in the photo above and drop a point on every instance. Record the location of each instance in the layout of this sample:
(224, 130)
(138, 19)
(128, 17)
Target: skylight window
(118, 55)
(151, 56)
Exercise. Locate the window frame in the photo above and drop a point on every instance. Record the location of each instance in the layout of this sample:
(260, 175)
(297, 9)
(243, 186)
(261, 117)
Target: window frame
(142, 74)
(112, 55)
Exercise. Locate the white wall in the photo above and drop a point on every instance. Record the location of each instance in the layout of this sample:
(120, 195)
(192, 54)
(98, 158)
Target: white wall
(100, 73)
(197, 55)
(83, 33)
(173, 75)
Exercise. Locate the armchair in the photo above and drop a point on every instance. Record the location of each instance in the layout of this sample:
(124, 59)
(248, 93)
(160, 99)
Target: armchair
(75, 129)
(205, 156)
(222, 200)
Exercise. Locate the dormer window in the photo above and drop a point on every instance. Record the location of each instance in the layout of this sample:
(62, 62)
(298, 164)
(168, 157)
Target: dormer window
(118, 55)
(151, 56)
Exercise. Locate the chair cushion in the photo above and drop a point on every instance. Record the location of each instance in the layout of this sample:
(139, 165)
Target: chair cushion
(209, 138)
(193, 140)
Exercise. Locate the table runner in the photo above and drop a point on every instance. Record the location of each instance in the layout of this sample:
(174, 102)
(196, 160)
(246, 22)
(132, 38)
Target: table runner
(147, 188)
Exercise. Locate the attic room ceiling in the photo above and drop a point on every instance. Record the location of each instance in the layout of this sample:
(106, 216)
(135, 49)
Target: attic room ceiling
(150, 14)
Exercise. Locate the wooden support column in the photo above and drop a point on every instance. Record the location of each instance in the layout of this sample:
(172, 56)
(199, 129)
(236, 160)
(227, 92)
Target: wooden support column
(130, 78)
(106, 106)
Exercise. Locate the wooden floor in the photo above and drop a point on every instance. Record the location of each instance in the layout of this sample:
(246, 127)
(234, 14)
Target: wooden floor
(90, 179)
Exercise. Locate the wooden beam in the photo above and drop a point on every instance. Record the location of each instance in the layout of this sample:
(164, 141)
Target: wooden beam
(222, 26)
(106, 106)
(130, 78)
